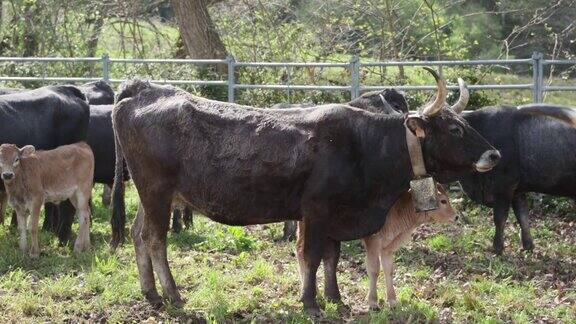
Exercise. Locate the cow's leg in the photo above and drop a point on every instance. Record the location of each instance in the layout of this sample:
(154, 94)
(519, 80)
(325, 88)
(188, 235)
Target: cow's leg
(387, 260)
(176, 220)
(309, 251)
(500, 216)
(188, 217)
(372, 245)
(330, 260)
(81, 203)
(3, 203)
(51, 217)
(21, 214)
(520, 207)
(106, 195)
(147, 284)
(64, 225)
(34, 221)
(289, 231)
(154, 231)
(14, 220)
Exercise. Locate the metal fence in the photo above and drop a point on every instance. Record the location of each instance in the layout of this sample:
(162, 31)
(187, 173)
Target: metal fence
(537, 63)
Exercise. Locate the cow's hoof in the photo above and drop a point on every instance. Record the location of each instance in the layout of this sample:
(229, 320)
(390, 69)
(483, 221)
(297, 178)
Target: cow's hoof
(154, 298)
(178, 303)
(498, 250)
(313, 311)
(34, 253)
(374, 308)
(528, 246)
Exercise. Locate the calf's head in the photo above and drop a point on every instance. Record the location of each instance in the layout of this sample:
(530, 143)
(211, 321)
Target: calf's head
(10, 156)
(445, 212)
(449, 143)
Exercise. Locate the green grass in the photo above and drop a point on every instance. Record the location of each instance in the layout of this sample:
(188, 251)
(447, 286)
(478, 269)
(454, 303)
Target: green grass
(233, 274)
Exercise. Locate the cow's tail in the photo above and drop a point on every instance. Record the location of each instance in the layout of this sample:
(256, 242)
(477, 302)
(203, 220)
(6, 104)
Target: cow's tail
(118, 220)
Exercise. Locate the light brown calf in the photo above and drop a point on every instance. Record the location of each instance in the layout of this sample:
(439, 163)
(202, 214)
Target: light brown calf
(401, 221)
(32, 178)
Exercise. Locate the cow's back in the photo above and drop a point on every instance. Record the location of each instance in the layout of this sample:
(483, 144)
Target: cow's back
(98, 93)
(45, 117)
(548, 150)
(239, 162)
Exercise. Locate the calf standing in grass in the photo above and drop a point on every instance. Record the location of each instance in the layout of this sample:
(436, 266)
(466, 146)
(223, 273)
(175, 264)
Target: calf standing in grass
(33, 178)
(401, 221)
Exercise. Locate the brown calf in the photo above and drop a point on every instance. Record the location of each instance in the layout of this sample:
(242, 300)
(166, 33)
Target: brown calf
(401, 221)
(32, 178)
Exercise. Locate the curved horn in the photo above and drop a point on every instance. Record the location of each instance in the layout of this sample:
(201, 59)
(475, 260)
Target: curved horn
(462, 102)
(436, 106)
(565, 114)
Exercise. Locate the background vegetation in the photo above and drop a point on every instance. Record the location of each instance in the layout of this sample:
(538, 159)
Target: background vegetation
(292, 30)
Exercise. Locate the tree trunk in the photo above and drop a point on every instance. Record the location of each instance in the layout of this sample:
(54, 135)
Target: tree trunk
(92, 44)
(197, 30)
(392, 33)
(31, 13)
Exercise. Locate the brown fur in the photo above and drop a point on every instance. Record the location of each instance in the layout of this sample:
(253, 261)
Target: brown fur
(401, 221)
(32, 178)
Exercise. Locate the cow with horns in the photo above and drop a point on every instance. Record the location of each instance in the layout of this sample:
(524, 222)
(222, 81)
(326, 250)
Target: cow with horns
(338, 169)
(520, 134)
(523, 135)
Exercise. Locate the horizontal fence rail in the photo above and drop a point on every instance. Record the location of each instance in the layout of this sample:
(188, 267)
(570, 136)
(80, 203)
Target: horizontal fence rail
(536, 62)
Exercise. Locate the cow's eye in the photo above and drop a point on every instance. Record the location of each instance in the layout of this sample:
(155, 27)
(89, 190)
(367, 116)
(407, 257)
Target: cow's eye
(456, 130)
(17, 160)
(443, 201)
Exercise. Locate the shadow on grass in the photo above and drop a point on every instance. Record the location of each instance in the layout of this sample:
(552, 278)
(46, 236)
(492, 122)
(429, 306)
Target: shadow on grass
(54, 259)
(516, 265)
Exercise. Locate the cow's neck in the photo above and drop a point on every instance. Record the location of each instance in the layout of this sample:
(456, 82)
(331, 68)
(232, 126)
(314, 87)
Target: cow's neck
(388, 153)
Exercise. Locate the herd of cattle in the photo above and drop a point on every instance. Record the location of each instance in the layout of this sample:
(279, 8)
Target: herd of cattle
(340, 171)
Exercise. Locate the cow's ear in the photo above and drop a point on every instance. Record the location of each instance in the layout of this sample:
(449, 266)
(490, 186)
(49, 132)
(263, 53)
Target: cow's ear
(27, 150)
(417, 126)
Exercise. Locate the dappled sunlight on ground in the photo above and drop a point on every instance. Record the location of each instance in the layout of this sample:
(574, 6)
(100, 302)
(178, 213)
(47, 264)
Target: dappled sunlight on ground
(243, 274)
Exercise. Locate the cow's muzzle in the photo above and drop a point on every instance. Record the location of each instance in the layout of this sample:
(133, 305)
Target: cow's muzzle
(7, 175)
(487, 161)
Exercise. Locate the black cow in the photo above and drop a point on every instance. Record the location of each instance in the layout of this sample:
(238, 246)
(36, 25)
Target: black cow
(46, 118)
(338, 169)
(98, 93)
(387, 101)
(521, 135)
(538, 155)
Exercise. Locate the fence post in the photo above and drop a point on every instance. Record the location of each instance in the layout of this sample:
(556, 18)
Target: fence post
(537, 75)
(355, 73)
(106, 67)
(231, 81)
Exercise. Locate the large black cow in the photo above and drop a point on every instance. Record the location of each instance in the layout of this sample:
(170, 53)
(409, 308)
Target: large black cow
(46, 118)
(538, 155)
(522, 135)
(338, 169)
